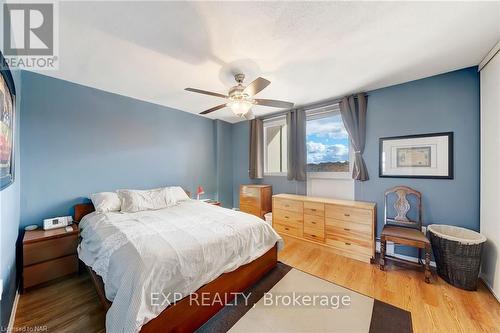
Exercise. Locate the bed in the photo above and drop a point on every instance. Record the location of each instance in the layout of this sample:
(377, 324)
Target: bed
(150, 267)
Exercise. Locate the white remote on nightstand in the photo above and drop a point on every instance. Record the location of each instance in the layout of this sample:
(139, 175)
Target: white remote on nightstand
(69, 228)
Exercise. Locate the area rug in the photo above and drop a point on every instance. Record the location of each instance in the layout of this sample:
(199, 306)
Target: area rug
(289, 300)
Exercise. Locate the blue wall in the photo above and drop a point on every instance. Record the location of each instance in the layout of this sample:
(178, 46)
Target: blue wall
(9, 223)
(77, 140)
(447, 102)
(241, 137)
(223, 141)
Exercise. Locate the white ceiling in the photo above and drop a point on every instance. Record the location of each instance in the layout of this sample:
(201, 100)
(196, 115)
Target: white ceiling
(309, 51)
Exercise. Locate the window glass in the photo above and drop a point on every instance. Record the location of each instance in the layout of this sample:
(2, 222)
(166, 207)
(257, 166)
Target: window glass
(327, 144)
(275, 146)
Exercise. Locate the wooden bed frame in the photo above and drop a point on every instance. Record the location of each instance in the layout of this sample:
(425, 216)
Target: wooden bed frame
(185, 315)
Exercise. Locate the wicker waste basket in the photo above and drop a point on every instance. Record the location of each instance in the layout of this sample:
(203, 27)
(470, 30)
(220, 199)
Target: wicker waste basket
(457, 252)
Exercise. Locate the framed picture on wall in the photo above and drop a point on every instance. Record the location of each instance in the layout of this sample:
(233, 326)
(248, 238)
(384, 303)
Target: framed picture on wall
(417, 156)
(6, 133)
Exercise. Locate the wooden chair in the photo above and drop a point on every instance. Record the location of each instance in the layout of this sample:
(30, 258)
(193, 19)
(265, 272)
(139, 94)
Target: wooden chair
(402, 230)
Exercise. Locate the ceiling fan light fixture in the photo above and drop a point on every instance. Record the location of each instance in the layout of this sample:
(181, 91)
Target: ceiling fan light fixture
(240, 107)
(240, 98)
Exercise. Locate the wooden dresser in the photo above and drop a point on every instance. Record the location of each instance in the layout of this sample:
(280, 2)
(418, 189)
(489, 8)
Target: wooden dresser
(49, 254)
(256, 199)
(345, 226)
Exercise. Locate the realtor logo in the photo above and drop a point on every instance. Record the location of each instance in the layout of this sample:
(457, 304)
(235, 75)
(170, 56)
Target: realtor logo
(29, 32)
(28, 29)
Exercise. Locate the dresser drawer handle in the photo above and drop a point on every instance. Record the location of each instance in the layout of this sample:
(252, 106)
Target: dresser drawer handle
(347, 229)
(313, 209)
(286, 228)
(347, 215)
(313, 236)
(286, 217)
(313, 222)
(287, 205)
(347, 243)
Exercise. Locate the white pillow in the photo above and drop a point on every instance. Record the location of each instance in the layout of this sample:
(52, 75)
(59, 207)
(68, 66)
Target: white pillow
(178, 193)
(138, 200)
(106, 202)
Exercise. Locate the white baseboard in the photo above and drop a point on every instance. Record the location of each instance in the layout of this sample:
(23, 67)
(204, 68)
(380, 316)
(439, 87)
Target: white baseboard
(390, 251)
(481, 276)
(13, 312)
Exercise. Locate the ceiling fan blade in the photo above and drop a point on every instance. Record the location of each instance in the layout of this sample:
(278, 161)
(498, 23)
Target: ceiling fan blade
(215, 108)
(256, 86)
(274, 103)
(249, 115)
(199, 91)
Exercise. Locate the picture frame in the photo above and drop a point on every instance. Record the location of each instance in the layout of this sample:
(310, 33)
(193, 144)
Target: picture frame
(428, 156)
(7, 127)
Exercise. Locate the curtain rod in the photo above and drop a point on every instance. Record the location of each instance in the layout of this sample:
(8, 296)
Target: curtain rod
(315, 105)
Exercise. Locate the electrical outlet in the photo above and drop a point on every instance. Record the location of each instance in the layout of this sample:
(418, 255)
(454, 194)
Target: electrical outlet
(389, 249)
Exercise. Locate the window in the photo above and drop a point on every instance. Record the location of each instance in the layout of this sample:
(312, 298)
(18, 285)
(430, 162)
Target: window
(275, 146)
(327, 142)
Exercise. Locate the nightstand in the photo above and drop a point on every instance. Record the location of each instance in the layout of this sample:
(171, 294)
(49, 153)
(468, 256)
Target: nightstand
(49, 254)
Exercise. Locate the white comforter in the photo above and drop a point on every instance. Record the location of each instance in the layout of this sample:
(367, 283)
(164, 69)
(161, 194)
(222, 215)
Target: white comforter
(172, 250)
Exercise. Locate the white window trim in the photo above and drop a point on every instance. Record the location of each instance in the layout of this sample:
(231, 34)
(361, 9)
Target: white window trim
(321, 113)
(275, 174)
(270, 122)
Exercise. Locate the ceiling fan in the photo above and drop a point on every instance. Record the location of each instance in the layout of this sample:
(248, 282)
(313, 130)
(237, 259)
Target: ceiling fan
(241, 98)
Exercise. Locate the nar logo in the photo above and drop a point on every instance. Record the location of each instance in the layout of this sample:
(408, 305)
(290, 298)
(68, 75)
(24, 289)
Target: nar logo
(30, 35)
(28, 29)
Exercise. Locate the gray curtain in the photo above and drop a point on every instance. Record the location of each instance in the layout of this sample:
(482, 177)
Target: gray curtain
(256, 158)
(296, 136)
(353, 111)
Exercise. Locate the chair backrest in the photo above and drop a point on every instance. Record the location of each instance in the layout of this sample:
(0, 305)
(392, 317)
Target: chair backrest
(402, 206)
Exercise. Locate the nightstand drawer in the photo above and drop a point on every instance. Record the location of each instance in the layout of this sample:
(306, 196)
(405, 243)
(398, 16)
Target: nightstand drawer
(49, 249)
(49, 270)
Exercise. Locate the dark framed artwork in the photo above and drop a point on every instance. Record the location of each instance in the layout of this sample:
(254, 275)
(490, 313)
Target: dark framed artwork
(7, 128)
(417, 156)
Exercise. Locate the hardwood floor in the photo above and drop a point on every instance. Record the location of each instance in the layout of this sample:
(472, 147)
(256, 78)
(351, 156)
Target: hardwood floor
(435, 307)
(72, 304)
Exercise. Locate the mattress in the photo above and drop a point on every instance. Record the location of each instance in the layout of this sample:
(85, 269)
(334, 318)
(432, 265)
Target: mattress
(150, 259)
